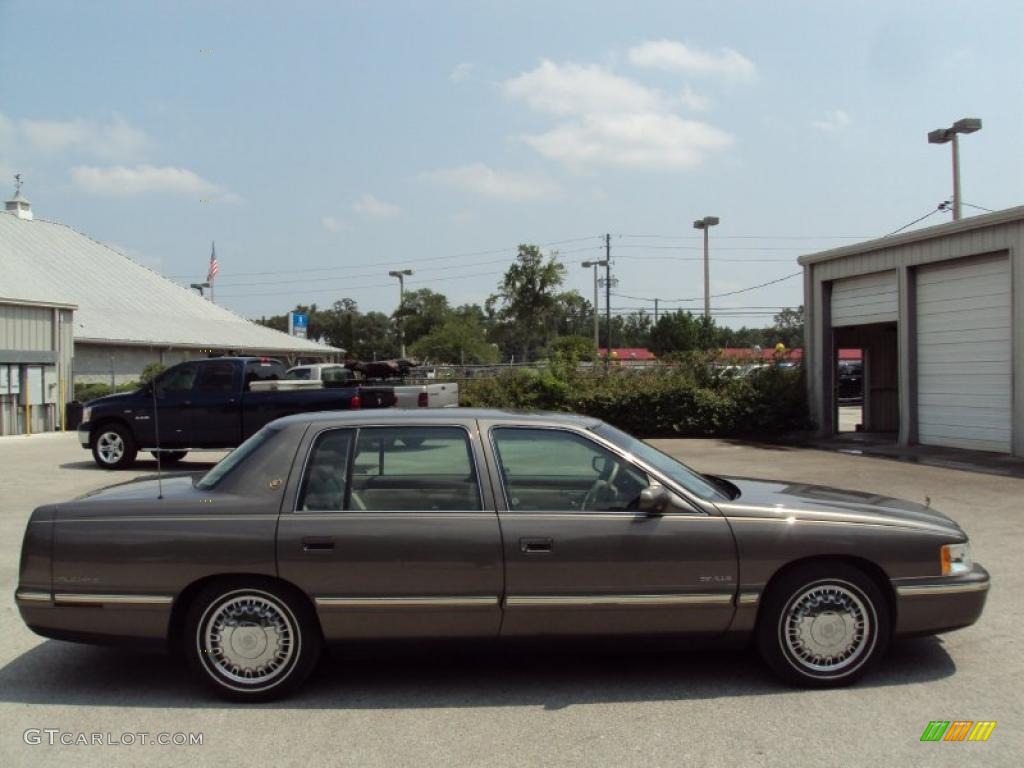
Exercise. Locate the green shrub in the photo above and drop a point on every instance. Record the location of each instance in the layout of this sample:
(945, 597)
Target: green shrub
(689, 398)
(84, 392)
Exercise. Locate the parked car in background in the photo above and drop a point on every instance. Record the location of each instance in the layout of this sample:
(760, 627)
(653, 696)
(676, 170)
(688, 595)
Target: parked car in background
(203, 405)
(486, 524)
(850, 382)
(434, 395)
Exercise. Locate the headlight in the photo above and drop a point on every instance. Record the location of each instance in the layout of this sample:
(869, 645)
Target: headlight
(87, 413)
(956, 559)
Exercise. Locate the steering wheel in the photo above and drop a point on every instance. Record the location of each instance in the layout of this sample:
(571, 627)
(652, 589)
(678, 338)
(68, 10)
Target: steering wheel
(605, 480)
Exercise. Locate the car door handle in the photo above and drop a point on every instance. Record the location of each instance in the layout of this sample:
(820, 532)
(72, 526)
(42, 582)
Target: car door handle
(317, 544)
(536, 546)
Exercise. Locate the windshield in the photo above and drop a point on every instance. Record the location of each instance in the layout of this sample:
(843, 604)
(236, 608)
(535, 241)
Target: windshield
(235, 458)
(674, 470)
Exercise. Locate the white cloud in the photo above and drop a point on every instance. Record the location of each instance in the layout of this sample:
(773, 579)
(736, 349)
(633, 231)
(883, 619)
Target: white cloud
(612, 120)
(122, 181)
(464, 216)
(692, 100)
(500, 185)
(334, 224)
(116, 139)
(673, 56)
(650, 141)
(570, 89)
(373, 208)
(462, 71)
(834, 120)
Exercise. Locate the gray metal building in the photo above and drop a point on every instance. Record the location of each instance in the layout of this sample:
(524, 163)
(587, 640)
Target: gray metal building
(78, 310)
(939, 315)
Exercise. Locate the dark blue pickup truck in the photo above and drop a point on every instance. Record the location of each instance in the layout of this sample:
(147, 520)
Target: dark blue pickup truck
(203, 405)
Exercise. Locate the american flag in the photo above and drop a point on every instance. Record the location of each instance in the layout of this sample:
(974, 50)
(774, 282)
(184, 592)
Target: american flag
(214, 269)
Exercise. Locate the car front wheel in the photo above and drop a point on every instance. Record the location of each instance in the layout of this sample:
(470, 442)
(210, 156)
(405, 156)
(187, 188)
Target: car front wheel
(823, 625)
(251, 641)
(113, 447)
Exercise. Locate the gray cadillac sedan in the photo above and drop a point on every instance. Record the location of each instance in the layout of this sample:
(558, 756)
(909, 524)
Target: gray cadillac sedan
(483, 524)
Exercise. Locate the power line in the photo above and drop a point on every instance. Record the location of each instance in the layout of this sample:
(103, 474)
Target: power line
(979, 207)
(714, 295)
(420, 260)
(753, 237)
(701, 258)
(940, 207)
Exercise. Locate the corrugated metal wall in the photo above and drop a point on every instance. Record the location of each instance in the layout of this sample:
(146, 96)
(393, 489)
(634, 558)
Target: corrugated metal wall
(26, 327)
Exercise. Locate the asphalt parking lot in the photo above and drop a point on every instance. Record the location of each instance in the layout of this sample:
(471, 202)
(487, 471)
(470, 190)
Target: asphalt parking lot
(490, 707)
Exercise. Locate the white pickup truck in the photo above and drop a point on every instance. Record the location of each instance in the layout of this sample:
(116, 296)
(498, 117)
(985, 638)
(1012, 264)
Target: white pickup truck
(441, 395)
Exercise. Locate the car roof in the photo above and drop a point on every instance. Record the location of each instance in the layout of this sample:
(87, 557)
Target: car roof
(419, 415)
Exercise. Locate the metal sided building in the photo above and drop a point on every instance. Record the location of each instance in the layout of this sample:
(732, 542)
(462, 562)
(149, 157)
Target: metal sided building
(939, 315)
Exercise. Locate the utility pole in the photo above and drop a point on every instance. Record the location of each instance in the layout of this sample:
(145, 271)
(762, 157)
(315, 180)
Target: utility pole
(597, 309)
(400, 274)
(944, 135)
(608, 297)
(655, 310)
(705, 224)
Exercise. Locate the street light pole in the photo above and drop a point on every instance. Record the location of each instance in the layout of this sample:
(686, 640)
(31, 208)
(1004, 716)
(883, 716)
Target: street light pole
(401, 274)
(597, 334)
(951, 134)
(705, 224)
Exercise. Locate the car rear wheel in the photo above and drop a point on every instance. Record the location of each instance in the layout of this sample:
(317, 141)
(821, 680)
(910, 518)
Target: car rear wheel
(113, 447)
(252, 640)
(823, 625)
(170, 457)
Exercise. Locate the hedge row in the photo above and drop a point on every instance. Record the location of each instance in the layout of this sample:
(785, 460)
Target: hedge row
(687, 401)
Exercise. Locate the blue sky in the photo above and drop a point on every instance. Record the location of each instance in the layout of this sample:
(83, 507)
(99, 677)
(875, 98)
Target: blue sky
(322, 144)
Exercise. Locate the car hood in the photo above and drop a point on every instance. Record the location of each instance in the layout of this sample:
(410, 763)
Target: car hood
(774, 498)
(114, 399)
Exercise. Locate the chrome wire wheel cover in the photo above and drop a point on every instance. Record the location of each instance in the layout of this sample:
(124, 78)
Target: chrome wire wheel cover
(827, 629)
(248, 639)
(110, 447)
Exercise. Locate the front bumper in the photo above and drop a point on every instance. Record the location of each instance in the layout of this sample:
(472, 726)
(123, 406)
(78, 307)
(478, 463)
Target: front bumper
(84, 429)
(941, 603)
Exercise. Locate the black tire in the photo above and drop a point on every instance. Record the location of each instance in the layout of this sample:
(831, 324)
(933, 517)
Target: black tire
(113, 446)
(281, 638)
(169, 458)
(823, 625)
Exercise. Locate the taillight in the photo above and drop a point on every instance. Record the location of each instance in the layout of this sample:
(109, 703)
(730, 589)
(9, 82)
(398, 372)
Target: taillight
(355, 403)
(423, 400)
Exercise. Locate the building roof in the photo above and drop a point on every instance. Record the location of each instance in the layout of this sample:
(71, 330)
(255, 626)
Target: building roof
(118, 300)
(1005, 216)
(629, 353)
(768, 353)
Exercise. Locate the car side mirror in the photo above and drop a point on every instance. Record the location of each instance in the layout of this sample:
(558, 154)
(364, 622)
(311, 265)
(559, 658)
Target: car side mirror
(654, 500)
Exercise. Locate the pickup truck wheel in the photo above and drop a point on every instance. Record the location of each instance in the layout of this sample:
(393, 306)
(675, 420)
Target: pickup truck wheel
(113, 447)
(250, 640)
(823, 625)
(168, 458)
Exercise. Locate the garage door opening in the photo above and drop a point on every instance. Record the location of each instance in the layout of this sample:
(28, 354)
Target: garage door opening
(866, 396)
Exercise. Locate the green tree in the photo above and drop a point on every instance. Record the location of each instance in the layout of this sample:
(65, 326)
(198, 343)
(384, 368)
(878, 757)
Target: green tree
(572, 348)
(373, 337)
(526, 301)
(457, 340)
(682, 332)
(422, 311)
(788, 327)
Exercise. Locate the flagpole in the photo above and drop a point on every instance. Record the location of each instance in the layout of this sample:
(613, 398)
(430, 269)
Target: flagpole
(213, 260)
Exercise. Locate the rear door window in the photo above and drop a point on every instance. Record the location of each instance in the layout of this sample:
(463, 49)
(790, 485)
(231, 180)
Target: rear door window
(391, 469)
(217, 378)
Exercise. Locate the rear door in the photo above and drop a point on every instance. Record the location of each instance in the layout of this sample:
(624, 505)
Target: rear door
(392, 533)
(216, 405)
(581, 559)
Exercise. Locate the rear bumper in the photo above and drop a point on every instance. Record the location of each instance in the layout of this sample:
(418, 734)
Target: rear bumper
(940, 604)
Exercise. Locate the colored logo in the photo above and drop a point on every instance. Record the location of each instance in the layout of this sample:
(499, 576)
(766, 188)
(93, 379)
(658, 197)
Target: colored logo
(958, 730)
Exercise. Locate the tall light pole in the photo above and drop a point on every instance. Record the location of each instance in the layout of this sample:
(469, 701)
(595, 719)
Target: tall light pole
(595, 265)
(199, 287)
(943, 135)
(705, 224)
(401, 275)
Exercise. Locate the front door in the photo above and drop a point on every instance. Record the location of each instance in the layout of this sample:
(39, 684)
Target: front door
(580, 558)
(392, 534)
(168, 421)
